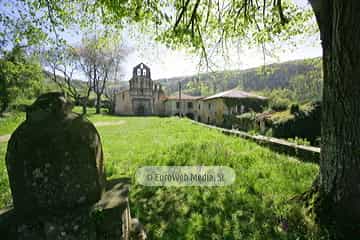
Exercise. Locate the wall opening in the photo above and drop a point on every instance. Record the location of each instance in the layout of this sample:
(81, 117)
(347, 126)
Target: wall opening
(140, 110)
(190, 115)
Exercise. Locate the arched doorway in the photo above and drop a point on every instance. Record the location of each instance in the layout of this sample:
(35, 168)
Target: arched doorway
(140, 110)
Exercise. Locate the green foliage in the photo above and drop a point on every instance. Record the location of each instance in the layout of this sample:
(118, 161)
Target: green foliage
(198, 25)
(307, 87)
(298, 81)
(5, 193)
(305, 123)
(10, 121)
(299, 141)
(294, 108)
(279, 104)
(244, 122)
(281, 116)
(20, 25)
(20, 78)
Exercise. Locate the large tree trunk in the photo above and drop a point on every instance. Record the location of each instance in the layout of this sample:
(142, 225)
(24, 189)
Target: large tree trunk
(98, 103)
(84, 108)
(340, 148)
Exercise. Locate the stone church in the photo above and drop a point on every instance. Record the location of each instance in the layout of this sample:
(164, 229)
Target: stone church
(144, 97)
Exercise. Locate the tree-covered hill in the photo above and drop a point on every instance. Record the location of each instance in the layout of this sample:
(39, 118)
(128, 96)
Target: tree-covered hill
(299, 81)
(302, 77)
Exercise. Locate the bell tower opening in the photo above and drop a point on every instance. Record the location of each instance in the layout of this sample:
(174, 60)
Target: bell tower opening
(141, 90)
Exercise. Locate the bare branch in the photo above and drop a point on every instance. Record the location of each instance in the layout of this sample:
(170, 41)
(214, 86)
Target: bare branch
(184, 9)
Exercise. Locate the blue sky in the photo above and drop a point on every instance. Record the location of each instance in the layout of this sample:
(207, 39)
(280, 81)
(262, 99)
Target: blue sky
(166, 63)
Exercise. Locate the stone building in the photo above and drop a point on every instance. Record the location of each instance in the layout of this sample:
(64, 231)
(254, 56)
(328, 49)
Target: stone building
(216, 107)
(144, 97)
(182, 105)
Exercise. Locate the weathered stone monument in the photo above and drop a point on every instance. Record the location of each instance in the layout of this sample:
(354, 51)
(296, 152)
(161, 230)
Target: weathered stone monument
(56, 172)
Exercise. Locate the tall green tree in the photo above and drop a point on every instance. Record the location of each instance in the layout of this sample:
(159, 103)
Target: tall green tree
(20, 77)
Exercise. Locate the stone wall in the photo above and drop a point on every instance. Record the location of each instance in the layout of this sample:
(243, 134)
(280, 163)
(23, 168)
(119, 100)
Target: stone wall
(304, 153)
(142, 106)
(171, 108)
(213, 111)
(123, 103)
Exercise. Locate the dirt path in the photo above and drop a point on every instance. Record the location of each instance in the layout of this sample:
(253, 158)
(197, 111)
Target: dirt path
(4, 138)
(100, 124)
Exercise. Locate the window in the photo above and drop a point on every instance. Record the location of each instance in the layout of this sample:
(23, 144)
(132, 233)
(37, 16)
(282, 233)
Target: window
(144, 72)
(190, 105)
(199, 106)
(138, 72)
(177, 105)
(209, 105)
(123, 96)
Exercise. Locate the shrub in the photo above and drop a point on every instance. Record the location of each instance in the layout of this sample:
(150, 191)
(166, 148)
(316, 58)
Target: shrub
(305, 124)
(299, 141)
(294, 108)
(279, 104)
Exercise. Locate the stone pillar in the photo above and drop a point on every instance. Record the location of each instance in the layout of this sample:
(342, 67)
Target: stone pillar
(56, 172)
(54, 159)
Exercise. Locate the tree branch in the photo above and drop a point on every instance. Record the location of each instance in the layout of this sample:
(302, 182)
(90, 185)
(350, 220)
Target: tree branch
(184, 8)
(283, 19)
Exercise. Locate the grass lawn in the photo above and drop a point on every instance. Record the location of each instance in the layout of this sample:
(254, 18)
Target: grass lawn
(10, 121)
(256, 206)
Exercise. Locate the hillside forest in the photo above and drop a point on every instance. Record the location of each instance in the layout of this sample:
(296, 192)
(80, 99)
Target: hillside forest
(297, 81)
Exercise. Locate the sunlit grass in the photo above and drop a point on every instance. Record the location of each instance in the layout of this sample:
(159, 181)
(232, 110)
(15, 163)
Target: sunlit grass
(254, 207)
(10, 121)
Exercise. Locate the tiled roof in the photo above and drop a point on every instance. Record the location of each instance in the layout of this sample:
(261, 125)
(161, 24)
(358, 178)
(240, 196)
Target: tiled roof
(234, 93)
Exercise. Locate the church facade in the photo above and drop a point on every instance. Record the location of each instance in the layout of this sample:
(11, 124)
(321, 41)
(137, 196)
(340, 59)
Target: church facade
(144, 97)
